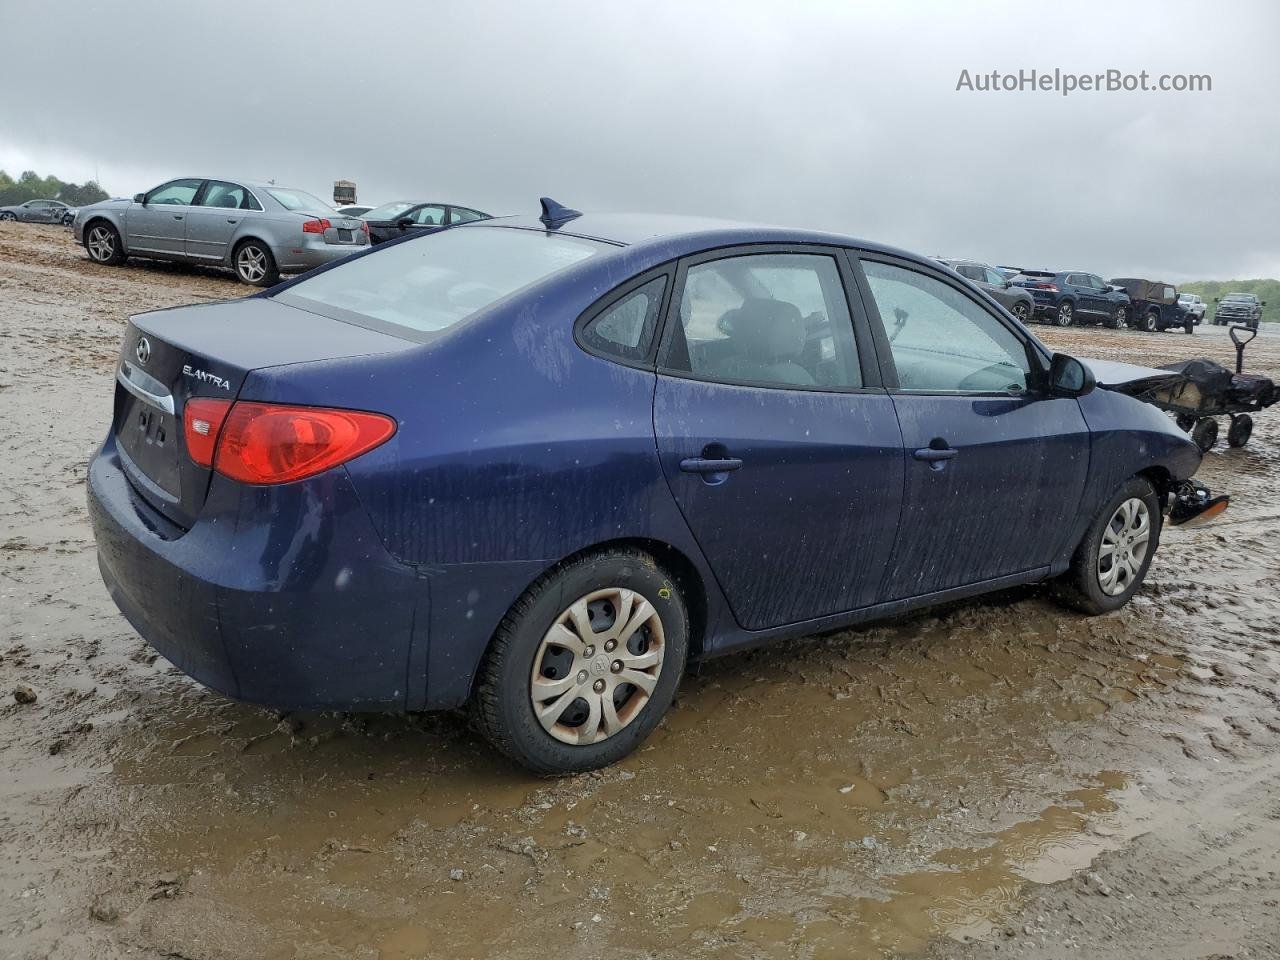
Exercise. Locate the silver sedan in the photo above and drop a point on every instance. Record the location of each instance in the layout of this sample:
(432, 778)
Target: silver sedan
(259, 230)
(39, 211)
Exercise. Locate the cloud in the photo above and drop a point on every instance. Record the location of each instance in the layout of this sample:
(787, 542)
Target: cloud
(835, 116)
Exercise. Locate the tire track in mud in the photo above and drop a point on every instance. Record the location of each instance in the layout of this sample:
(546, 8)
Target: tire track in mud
(864, 794)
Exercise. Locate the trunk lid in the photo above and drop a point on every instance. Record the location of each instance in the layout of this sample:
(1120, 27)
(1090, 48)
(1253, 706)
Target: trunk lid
(170, 356)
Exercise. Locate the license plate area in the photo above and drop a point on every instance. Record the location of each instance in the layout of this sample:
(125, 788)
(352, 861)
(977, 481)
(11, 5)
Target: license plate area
(344, 236)
(149, 436)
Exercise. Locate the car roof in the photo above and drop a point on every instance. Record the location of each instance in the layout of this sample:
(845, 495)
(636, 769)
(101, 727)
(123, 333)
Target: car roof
(687, 233)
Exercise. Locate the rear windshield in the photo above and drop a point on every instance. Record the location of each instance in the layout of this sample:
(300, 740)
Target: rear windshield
(430, 283)
(299, 200)
(388, 210)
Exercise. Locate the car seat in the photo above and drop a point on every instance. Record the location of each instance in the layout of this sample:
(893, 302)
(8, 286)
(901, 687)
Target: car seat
(767, 337)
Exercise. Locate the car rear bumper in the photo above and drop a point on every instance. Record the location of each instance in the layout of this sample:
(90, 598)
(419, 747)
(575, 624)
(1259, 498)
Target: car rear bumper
(281, 596)
(308, 255)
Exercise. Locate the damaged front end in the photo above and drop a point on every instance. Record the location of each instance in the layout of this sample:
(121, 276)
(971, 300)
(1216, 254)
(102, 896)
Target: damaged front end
(1194, 504)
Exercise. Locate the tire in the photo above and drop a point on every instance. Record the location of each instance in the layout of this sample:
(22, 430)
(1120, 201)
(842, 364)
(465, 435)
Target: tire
(577, 737)
(1240, 431)
(254, 264)
(1119, 319)
(1096, 583)
(1021, 310)
(1151, 322)
(8, 216)
(102, 243)
(1205, 433)
(1065, 315)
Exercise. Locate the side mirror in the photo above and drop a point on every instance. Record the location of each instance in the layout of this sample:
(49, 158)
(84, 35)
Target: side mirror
(404, 222)
(1068, 377)
(1008, 284)
(140, 198)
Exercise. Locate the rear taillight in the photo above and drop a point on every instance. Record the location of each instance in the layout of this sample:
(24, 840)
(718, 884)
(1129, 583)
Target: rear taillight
(316, 226)
(364, 227)
(273, 443)
(202, 419)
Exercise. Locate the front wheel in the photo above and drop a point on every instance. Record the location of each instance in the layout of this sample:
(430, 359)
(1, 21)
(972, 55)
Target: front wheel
(102, 242)
(8, 216)
(1112, 560)
(1119, 319)
(1065, 314)
(585, 664)
(1022, 310)
(255, 265)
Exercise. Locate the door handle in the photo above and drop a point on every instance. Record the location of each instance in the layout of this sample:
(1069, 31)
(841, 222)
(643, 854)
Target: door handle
(934, 457)
(705, 465)
(229, 220)
(177, 216)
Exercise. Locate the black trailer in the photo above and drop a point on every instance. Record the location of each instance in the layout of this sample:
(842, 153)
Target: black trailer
(1203, 390)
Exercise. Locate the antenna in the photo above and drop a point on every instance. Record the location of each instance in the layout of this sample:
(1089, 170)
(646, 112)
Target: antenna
(556, 215)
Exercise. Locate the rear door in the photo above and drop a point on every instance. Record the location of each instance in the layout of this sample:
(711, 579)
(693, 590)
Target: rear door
(159, 224)
(214, 218)
(775, 436)
(995, 467)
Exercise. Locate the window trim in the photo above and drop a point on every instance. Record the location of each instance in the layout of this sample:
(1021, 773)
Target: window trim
(1037, 354)
(868, 365)
(615, 296)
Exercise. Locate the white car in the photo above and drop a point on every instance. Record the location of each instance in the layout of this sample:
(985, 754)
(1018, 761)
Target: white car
(1194, 305)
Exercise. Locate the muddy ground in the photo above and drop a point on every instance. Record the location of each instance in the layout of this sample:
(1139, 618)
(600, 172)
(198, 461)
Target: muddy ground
(999, 778)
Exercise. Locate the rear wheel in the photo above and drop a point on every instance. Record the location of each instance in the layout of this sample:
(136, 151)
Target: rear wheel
(1240, 431)
(254, 264)
(585, 664)
(1151, 322)
(1065, 314)
(102, 242)
(1205, 433)
(1112, 560)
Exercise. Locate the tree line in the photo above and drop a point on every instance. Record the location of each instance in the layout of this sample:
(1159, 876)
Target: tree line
(31, 186)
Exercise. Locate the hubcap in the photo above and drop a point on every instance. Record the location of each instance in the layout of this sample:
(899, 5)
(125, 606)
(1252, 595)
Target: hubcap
(1124, 546)
(252, 264)
(597, 666)
(1064, 315)
(101, 243)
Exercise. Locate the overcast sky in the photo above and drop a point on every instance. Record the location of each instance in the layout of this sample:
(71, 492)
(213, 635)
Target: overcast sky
(837, 116)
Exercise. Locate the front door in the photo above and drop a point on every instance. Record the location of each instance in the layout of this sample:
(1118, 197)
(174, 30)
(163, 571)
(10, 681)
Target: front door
(159, 224)
(995, 467)
(775, 438)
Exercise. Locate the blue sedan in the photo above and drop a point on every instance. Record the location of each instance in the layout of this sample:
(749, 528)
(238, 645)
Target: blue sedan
(535, 466)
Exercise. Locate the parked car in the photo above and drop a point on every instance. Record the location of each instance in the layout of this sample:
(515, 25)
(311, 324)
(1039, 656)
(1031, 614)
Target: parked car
(259, 230)
(1017, 300)
(1072, 297)
(1194, 304)
(1238, 308)
(39, 211)
(1154, 305)
(537, 465)
(392, 220)
(354, 211)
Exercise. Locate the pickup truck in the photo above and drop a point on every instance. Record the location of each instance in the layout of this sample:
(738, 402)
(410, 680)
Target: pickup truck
(1238, 308)
(1154, 305)
(1194, 304)
(1075, 297)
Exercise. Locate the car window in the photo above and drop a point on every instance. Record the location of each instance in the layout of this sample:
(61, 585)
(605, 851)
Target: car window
(993, 277)
(388, 211)
(969, 271)
(229, 196)
(299, 201)
(777, 320)
(429, 216)
(463, 215)
(432, 283)
(626, 328)
(1096, 283)
(180, 192)
(941, 340)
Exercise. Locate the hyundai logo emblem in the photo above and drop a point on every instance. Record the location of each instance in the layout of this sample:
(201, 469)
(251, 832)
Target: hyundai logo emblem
(144, 350)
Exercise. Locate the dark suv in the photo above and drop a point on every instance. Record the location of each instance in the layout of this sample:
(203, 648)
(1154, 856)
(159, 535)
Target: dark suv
(1072, 297)
(1238, 308)
(1017, 300)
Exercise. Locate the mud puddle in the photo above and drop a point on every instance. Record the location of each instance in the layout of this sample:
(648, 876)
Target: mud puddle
(895, 790)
